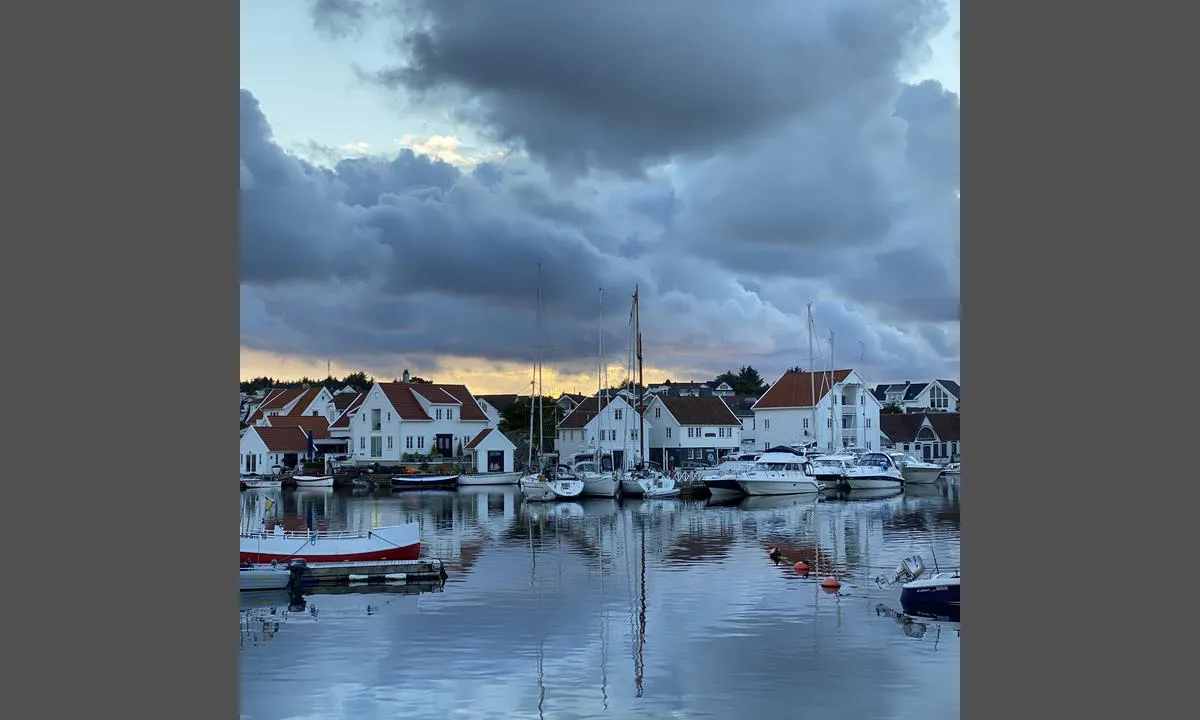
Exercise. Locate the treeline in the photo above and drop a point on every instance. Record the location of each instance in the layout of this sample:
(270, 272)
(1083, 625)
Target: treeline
(360, 381)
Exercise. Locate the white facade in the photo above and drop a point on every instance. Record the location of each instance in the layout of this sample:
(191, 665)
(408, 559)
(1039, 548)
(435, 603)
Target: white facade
(493, 449)
(615, 428)
(690, 440)
(490, 410)
(378, 433)
(934, 397)
(848, 416)
(255, 457)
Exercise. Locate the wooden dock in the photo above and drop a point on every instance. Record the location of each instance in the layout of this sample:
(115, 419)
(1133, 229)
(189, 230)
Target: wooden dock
(370, 572)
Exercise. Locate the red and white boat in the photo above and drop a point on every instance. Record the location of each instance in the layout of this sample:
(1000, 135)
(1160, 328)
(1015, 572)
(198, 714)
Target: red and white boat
(307, 481)
(392, 542)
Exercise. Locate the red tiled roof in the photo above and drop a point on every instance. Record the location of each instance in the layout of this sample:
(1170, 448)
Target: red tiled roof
(795, 389)
(710, 410)
(901, 427)
(317, 424)
(282, 439)
(478, 439)
(401, 396)
(305, 400)
(276, 399)
(946, 425)
(343, 420)
(341, 401)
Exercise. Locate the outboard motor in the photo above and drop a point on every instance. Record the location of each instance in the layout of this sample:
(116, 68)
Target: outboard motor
(909, 569)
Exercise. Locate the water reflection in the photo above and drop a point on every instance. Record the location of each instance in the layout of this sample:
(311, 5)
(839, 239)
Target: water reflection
(599, 608)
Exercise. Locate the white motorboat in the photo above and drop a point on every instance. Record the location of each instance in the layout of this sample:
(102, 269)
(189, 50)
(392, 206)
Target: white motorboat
(721, 480)
(917, 472)
(830, 470)
(307, 481)
(259, 482)
(263, 577)
(779, 473)
(874, 471)
(951, 470)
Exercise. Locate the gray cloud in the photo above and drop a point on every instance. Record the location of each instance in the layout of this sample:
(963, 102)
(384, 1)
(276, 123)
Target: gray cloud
(830, 181)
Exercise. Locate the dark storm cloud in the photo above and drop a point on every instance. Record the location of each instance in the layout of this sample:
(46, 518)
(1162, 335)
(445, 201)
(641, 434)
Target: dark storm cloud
(795, 167)
(622, 83)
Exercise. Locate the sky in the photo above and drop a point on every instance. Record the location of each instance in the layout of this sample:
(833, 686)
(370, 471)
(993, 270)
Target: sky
(406, 165)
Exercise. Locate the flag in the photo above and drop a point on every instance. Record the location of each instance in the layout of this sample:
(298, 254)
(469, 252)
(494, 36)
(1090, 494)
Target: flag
(309, 517)
(312, 446)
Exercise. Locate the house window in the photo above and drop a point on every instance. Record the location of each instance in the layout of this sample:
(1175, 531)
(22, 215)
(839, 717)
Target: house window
(943, 449)
(767, 424)
(657, 412)
(364, 417)
(633, 434)
(408, 442)
(389, 442)
(617, 414)
(612, 435)
(868, 444)
(868, 422)
(362, 443)
(828, 422)
(389, 416)
(420, 442)
(805, 423)
(668, 432)
(939, 399)
(316, 413)
(375, 424)
(905, 447)
(439, 413)
(376, 446)
(449, 413)
(862, 400)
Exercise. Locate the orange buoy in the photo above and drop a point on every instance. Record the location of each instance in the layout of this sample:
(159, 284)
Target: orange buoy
(801, 567)
(830, 583)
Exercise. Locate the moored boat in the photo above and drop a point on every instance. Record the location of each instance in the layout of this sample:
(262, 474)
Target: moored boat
(917, 472)
(262, 483)
(489, 478)
(779, 473)
(874, 471)
(263, 577)
(441, 482)
(392, 542)
(307, 481)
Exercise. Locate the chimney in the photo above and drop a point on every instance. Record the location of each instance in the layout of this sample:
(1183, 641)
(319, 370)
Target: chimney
(407, 376)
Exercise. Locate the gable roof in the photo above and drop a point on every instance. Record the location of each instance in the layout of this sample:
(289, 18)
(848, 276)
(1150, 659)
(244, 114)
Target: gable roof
(478, 439)
(343, 420)
(343, 400)
(306, 399)
(282, 439)
(584, 413)
(946, 425)
(741, 405)
(710, 410)
(795, 389)
(403, 398)
(500, 402)
(317, 424)
(952, 387)
(901, 427)
(575, 398)
(275, 399)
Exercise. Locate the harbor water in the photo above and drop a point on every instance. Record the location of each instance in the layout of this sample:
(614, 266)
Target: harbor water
(607, 609)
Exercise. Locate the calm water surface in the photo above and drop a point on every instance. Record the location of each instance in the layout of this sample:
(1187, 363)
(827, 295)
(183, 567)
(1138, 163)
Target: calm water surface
(599, 609)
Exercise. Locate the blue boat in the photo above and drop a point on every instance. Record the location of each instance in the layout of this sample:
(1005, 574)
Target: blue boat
(940, 589)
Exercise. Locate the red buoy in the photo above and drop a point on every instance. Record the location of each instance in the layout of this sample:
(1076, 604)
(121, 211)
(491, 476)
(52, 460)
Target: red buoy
(801, 567)
(830, 583)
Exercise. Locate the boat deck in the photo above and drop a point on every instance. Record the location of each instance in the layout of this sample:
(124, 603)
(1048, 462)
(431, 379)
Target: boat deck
(373, 571)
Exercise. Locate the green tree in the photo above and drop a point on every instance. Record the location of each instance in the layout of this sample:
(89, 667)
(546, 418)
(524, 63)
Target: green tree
(891, 409)
(515, 420)
(746, 381)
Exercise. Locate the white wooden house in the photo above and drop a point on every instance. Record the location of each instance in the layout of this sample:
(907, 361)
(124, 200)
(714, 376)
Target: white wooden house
(932, 396)
(929, 436)
(844, 414)
(606, 424)
(491, 452)
(396, 419)
(692, 429)
(271, 450)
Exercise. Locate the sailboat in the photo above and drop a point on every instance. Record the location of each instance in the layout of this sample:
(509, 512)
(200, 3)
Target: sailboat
(643, 480)
(552, 481)
(597, 469)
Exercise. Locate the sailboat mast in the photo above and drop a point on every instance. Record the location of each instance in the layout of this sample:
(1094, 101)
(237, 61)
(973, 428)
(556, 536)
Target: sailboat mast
(812, 374)
(541, 411)
(637, 329)
(832, 424)
(600, 390)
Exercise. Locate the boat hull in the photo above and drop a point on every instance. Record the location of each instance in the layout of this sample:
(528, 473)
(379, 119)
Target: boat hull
(726, 489)
(264, 578)
(921, 476)
(604, 485)
(496, 478)
(566, 489)
(394, 542)
(779, 486)
(307, 481)
(263, 484)
(931, 592)
(654, 486)
(413, 482)
(874, 482)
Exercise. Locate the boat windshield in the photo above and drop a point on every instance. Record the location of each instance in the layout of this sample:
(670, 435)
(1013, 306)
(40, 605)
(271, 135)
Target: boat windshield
(587, 467)
(874, 459)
